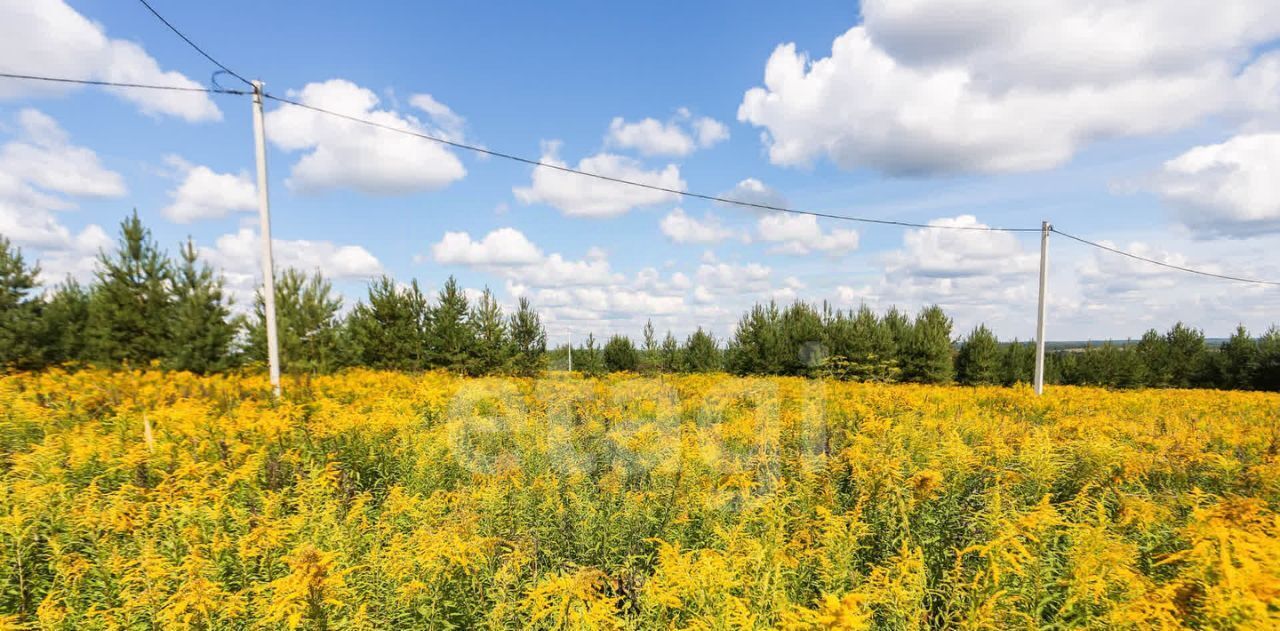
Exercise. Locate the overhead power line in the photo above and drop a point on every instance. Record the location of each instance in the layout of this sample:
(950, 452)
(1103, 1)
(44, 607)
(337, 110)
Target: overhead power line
(117, 84)
(618, 180)
(1163, 264)
(193, 44)
(607, 178)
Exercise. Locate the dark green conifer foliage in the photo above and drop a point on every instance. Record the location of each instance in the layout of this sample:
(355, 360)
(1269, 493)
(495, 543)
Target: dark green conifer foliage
(761, 344)
(701, 353)
(132, 302)
(649, 349)
(1153, 350)
(899, 327)
(1239, 359)
(306, 323)
(862, 347)
(1266, 368)
(199, 328)
(805, 340)
(528, 340)
(1186, 357)
(587, 359)
(926, 355)
(978, 362)
(620, 354)
(669, 354)
(1017, 363)
(452, 336)
(64, 319)
(492, 350)
(389, 328)
(19, 310)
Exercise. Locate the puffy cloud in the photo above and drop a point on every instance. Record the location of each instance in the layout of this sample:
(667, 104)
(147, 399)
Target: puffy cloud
(207, 194)
(44, 157)
(682, 228)
(1230, 189)
(41, 173)
(710, 131)
(51, 38)
(508, 252)
(346, 154)
(652, 137)
(977, 276)
(504, 246)
(442, 115)
(963, 86)
(581, 196)
(753, 191)
(727, 278)
(799, 235)
(238, 254)
(944, 253)
(1107, 274)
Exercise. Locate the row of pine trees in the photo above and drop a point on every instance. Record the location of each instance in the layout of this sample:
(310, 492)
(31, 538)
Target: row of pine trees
(144, 307)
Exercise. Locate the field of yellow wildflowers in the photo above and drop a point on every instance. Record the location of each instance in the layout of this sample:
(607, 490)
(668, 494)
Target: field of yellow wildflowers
(371, 500)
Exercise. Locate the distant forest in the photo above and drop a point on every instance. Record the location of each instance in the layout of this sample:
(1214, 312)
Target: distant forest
(146, 308)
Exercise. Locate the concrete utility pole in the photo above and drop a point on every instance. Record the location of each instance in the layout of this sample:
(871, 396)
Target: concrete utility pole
(570, 352)
(1045, 228)
(268, 268)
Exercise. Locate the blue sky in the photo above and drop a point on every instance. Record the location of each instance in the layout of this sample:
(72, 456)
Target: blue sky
(938, 111)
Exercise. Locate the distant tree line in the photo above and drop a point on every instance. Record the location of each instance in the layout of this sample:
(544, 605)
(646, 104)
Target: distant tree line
(144, 307)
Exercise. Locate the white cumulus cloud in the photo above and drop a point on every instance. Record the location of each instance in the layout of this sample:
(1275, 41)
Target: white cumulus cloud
(345, 154)
(799, 235)
(582, 196)
(42, 173)
(682, 228)
(677, 137)
(1229, 189)
(753, 191)
(43, 156)
(207, 194)
(504, 246)
(50, 38)
(999, 86)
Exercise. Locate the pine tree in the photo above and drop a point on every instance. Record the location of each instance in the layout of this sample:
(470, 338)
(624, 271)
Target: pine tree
(587, 359)
(306, 323)
(1186, 357)
(620, 354)
(649, 352)
(389, 328)
(18, 310)
(64, 320)
(1239, 359)
(132, 303)
(978, 362)
(200, 327)
(1153, 350)
(669, 354)
(1017, 363)
(1266, 368)
(451, 338)
(492, 350)
(805, 339)
(701, 353)
(761, 343)
(926, 355)
(528, 340)
(864, 345)
(899, 327)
